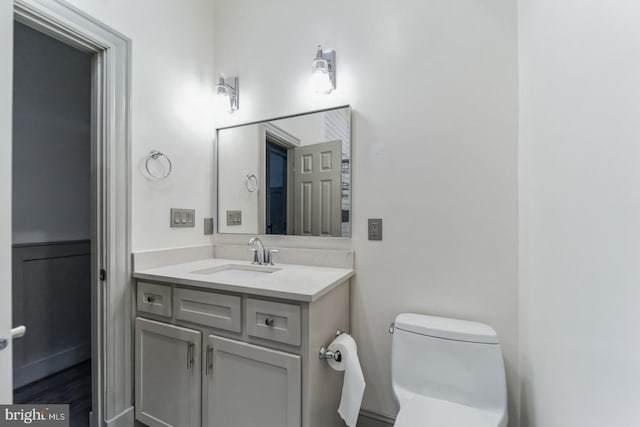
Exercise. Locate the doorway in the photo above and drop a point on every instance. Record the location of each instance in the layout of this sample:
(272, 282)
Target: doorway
(276, 188)
(110, 205)
(52, 222)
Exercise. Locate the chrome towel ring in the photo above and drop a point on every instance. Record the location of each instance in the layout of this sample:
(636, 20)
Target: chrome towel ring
(251, 182)
(156, 155)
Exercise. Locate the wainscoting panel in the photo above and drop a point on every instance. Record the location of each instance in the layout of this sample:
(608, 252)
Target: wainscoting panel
(52, 298)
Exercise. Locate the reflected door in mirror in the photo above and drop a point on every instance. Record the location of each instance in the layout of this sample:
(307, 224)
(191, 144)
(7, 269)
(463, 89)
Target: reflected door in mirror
(276, 188)
(317, 187)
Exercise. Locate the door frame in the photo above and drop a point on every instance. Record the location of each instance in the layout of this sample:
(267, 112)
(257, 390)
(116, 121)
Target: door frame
(286, 140)
(111, 295)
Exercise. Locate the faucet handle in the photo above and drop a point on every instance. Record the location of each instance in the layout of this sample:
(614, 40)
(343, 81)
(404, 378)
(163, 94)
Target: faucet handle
(255, 255)
(270, 253)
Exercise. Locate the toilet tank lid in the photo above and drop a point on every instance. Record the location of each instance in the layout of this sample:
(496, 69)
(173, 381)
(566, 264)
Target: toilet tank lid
(445, 328)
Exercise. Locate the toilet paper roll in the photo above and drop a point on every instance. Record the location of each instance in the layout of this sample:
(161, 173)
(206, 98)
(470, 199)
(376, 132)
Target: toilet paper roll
(346, 345)
(353, 383)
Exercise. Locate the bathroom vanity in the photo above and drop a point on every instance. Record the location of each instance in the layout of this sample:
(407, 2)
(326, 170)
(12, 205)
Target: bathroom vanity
(222, 343)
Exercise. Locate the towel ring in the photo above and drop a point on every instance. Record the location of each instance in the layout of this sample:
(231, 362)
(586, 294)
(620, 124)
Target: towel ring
(155, 155)
(251, 182)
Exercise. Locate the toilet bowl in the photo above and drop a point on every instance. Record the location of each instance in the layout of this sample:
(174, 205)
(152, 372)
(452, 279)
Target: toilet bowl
(447, 373)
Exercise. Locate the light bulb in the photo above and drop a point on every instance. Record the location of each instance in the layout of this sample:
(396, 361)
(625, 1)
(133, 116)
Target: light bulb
(321, 74)
(223, 98)
(321, 81)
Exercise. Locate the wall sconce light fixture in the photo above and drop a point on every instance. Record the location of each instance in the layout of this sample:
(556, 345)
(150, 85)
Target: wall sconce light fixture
(323, 71)
(227, 94)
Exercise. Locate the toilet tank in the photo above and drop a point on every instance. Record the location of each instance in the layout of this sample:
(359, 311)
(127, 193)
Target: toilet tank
(447, 359)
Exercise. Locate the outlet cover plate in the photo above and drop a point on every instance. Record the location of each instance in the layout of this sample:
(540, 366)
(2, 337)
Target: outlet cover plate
(375, 228)
(208, 226)
(182, 218)
(234, 218)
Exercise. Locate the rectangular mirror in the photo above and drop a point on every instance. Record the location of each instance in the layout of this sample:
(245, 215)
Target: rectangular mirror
(288, 176)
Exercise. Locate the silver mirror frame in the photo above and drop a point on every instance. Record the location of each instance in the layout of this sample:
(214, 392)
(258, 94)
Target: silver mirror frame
(257, 122)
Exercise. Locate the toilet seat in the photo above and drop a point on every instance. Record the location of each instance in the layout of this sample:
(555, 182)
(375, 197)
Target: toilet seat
(421, 411)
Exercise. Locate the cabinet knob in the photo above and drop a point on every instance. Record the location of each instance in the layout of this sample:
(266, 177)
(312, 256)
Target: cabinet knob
(269, 321)
(151, 298)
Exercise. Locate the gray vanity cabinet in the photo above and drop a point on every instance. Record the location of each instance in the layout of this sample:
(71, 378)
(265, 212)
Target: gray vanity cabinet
(223, 359)
(167, 374)
(249, 385)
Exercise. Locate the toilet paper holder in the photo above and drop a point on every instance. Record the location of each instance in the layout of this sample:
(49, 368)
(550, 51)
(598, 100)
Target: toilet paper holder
(325, 353)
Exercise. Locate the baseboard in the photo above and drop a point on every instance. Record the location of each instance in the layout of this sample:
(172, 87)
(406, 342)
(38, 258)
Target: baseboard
(371, 419)
(124, 419)
(35, 371)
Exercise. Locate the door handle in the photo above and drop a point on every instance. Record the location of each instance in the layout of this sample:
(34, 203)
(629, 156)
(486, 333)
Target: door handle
(15, 333)
(18, 332)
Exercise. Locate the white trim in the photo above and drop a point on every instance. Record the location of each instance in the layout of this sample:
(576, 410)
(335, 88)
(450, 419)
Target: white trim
(111, 197)
(288, 141)
(371, 419)
(123, 419)
(282, 136)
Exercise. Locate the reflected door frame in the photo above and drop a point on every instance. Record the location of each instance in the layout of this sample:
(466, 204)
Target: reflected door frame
(284, 139)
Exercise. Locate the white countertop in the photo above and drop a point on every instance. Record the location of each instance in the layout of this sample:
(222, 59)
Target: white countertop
(293, 282)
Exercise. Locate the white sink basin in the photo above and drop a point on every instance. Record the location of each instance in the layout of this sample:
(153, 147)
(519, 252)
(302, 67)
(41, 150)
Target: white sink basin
(230, 272)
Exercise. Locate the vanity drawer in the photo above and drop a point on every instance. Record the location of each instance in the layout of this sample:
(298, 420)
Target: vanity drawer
(208, 308)
(154, 299)
(274, 321)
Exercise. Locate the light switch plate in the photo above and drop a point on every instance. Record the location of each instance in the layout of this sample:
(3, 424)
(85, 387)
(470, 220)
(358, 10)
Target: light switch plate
(375, 228)
(234, 217)
(208, 226)
(182, 218)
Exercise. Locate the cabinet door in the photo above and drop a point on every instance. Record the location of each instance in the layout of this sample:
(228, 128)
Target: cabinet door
(248, 385)
(168, 375)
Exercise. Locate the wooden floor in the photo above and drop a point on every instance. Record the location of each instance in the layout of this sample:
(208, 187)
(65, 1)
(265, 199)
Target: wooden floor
(71, 386)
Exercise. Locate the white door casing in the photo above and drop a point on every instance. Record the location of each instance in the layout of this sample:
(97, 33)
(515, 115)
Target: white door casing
(269, 131)
(6, 91)
(110, 200)
(317, 182)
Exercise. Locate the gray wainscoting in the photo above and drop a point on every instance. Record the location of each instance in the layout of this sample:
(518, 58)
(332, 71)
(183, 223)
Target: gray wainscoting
(52, 298)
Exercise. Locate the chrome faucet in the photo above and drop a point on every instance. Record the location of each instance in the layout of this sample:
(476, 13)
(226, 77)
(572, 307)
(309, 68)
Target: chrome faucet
(261, 256)
(258, 248)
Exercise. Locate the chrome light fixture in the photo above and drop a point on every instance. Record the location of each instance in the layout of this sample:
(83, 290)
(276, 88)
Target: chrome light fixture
(323, 71)
(227, 94)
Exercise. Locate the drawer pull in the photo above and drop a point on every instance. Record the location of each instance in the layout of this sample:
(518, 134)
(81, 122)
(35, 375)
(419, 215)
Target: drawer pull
(188, 355)
(151, 299)
(209, 367)
(269, 321)
(191, 354)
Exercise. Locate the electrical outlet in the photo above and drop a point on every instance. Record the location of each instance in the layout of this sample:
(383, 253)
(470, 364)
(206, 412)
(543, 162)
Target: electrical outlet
(375, 228)
(234, 217)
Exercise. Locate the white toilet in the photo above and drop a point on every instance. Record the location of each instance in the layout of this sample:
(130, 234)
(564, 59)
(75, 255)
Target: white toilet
(447, 373)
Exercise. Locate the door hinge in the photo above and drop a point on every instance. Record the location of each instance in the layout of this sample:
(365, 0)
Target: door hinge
(103, 274)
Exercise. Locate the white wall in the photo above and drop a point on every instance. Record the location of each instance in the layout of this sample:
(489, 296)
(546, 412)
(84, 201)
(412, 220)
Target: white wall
(433, 87)
(309, 129)
(239, 155)
(172, 110)
(51, 140)
(580, 210)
